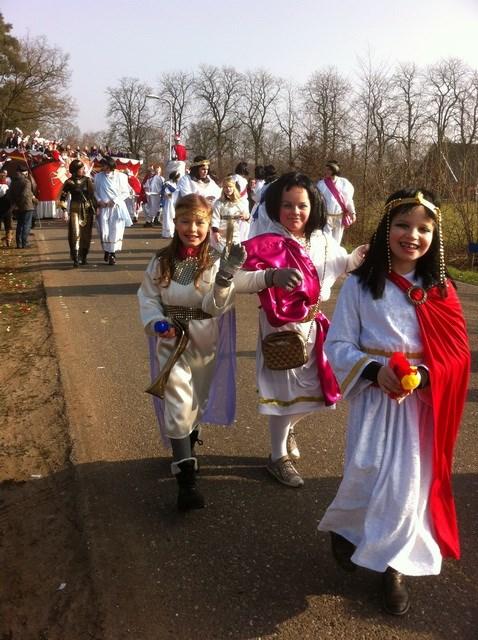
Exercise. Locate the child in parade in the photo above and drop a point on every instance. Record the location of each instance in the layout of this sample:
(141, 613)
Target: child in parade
(230, 208)
(394, 511)
(185, 305)
(289, 233)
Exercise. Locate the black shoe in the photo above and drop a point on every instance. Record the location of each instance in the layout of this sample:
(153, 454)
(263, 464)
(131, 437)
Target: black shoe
(112, 259)
(395, 596)
(74, 257)
(188, 495)
(342, 550)
(106, 256)
(83, 255)
(148, 224)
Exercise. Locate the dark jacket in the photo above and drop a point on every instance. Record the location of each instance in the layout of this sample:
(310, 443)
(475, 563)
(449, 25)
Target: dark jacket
(21, 193)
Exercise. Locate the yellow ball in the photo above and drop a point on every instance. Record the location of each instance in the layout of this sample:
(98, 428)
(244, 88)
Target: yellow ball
(411, 381)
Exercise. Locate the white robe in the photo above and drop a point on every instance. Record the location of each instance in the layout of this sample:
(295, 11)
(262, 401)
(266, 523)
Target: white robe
(168, 210)
(334, 211)
(298, 391)
(190, 379)
(186, 185)
(382, 502)
(224, 211)
(112, 186)
(152, 189)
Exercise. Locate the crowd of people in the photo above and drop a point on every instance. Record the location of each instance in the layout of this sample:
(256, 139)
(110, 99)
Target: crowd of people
(394, 510)
(280, 237)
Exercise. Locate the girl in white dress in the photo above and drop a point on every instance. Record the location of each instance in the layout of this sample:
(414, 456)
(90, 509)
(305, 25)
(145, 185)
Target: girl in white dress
(185, 305)
(229, 208)
(394, 510)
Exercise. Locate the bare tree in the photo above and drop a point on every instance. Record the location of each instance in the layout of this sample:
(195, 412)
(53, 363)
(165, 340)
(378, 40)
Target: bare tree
(178, 88)
(410, 114)
(326, 94)
(287, 117)
(375, 117)
(218, 89)
(33, 91)
(131, 117)
(259, 91)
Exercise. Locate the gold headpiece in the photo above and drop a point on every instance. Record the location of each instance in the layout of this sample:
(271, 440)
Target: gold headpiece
(416, 199)
(203, 214)
(200, 163)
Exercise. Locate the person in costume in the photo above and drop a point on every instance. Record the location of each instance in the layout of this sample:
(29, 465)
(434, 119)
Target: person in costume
(394, 511)
(185, 305)
(289, 233)
(78, 198)
(338, 195)
(5, 208)
(153, 187)
(241, 175)
(169, 187)
(198, 181)
(111, 191)
(230, 208)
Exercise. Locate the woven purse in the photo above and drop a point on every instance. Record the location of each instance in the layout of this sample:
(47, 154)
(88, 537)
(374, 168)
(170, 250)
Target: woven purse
(284, 350)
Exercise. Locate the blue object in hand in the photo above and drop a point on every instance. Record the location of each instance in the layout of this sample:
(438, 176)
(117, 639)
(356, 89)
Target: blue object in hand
(161, 326)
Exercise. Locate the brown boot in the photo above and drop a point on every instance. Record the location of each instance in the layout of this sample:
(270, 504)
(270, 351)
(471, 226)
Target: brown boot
(9, 239)
(395, 597)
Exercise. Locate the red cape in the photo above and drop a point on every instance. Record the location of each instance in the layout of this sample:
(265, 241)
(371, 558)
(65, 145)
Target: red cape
(447, 356)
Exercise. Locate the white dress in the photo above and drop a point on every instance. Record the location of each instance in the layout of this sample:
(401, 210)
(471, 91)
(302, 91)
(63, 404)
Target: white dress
(189, 383)
(298, 391)
(223, 212)
(186, 185)
(334, 212)
(382, 502)
(112, 221)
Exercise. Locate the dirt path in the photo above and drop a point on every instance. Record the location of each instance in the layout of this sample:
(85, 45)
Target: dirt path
(45, 587)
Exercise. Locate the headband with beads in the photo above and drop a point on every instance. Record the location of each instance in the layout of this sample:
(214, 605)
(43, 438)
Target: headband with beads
(418, 199)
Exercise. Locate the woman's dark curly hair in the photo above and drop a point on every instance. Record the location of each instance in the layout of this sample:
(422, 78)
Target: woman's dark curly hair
(287, 181)
(372, 273)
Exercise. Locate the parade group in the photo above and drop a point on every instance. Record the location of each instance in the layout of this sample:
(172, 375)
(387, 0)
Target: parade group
(281, 238)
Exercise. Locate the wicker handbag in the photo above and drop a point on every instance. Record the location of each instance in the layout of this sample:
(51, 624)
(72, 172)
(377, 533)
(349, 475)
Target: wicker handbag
(284, 350)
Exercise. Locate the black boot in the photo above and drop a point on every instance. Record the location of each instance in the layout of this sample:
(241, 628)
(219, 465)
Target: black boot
(195, 439)
(112, 259)
(188, 494)
(83, 253)
(106, 256)
(342, 550)
(74, 257)
(395, 597)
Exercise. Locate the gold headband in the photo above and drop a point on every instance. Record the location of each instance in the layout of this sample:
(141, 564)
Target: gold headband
(196, 213)
(417, 199)
(200, 163)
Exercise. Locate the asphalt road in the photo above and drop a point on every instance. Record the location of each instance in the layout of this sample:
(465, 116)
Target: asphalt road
(250, 565)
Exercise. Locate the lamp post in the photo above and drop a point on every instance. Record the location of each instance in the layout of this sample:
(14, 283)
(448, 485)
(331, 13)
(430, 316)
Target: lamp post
(153, 97)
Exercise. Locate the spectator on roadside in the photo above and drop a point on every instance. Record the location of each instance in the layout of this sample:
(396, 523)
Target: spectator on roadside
(22, 196)
(5, 208)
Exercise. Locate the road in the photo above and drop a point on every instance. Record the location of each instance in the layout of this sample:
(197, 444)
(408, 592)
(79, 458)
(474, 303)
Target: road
(250, 565)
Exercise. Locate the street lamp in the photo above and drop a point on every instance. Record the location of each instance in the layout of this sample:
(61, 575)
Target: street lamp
(153, 97)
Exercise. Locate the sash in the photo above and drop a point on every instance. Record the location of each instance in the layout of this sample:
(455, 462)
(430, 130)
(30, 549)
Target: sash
(346, 217)
(272, 250)
(447, 356)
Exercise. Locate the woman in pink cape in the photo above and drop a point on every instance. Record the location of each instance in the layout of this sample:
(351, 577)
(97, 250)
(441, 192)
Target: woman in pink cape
(289, 234)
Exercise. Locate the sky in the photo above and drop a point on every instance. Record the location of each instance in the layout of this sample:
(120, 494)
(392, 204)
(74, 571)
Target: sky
(111, 39)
